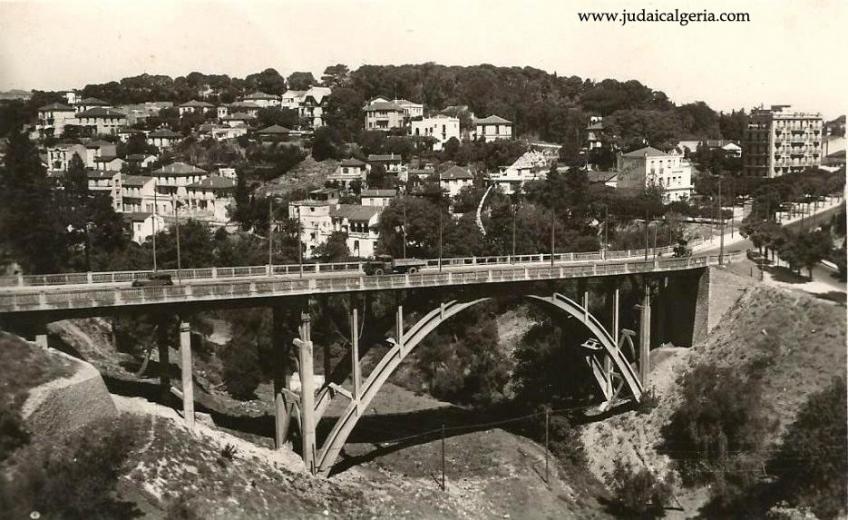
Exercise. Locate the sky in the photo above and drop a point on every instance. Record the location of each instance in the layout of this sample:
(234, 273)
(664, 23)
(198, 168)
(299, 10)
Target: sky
(791, 52)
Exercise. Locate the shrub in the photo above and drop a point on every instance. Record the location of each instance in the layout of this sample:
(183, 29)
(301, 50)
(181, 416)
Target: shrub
(74, 478)
(13, 435)
(639, 493)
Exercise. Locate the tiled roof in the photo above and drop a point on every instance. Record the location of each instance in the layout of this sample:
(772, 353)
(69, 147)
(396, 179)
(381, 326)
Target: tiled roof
(595, 177)
(93, 101)
(274, 130)
(137, 216)
(197, 104)
(98, 143)
(261, 95)
(214, 182)
(493, 120)
(164, 132)
(378, 193)
(56, 107)
(456, 172)
(138, 157)
(106, 158)
(352, 162)
(383, 157)
(101, 112)
(178, 168)
(244, 104)
(650, 151)
(238, 116)
(354, 212)
(135, 180)
(383, 107)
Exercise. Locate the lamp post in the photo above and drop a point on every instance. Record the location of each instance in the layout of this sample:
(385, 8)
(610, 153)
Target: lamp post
(440, 236)
(403, 228)
(646, 234)
(155, 218)
(721, 228)
(177, 221)
(514, 212)
(553, 235)
(270, 235)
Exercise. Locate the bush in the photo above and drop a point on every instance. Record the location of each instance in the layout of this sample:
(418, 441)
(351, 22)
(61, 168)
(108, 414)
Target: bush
(74, 478)
(812, 463)
(13, 434)
(639, 493)
(719, 431)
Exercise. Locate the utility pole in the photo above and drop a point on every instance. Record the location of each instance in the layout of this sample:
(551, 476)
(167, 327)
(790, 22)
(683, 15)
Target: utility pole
(155, 218)
(299, 243)
(177, 220)
(721, 229)
(606, 227)
(440, 238)
(270, 236)
(443, 458)
(553, 235)
(646, 234)
(403, 228)
(514, 211)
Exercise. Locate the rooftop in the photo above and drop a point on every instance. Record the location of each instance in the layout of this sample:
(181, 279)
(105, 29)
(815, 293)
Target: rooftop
(383, 157)
(178, 168)
(383, 106)
(649, 151)
(102, 112)
(351, 162)
(163, 132)
(135, 180)
(456, 172)
(215, 182)
(197, 104)
(274, 130)
(137, 216)
(56, 107)
(260, 95)
(378, 193)
(354, 212)
(93, 101)
(493, 120)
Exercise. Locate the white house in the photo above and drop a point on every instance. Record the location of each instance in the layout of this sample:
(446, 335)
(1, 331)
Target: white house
(210, 198)
(360, 224)
(195, 107)
(411, 109)
(391, 162)
(162, 138)
(137, 193)
(348, 171)
(171, 183)
(531, 166)
(143, 225)
(108, 163)
(89, 103)
(102, 120)
(262, 100)
(52, 119)
(440, 127)
(454, 179)
(648, 167)
(59, 156)
(493, 128)
(383, 115)
(313, 215)
(378, 198)
(108, 182)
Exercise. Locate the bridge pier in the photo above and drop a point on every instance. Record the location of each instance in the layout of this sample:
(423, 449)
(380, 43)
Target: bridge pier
(164, 359)
(616, 302)
(283, 405)
(645, 335)
(307, 393)
(188, 383)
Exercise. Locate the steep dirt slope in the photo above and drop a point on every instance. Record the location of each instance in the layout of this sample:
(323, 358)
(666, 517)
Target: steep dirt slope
(800, 339)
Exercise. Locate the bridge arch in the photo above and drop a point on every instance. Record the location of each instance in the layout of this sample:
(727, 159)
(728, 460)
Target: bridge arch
(410, 339)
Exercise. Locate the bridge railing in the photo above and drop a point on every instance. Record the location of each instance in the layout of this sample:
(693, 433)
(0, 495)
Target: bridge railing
(215, 273)
(90, 297)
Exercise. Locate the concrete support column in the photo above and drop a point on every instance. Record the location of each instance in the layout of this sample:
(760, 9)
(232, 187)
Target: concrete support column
(282, 407)
(616, 301)
(188, 383)
(307, 394)
(41, 338)
(399, 327)
(356, 374)
(645, 335)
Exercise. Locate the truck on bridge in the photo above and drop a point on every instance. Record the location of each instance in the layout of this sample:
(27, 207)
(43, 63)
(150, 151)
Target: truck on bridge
(385, 264)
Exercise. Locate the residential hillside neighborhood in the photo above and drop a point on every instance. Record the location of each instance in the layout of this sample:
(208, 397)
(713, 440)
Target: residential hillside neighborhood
(206, 148)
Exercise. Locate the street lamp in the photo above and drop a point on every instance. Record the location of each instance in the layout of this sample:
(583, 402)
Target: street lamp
(155, 217)
(176, 205)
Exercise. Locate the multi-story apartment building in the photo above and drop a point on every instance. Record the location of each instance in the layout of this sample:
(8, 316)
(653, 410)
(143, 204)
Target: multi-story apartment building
(89, 103)
(594, 132)
(493, 128)
(411, 109)
(52, 119)
(171, 184)
(321, 215)
(102, 121)
(649, 167)
(108, 182)
(195, 107)
(440, 127)
(162, 138)
(210, 198)
(59, 156)
(778, 141)
(381, 114)
(137, 193)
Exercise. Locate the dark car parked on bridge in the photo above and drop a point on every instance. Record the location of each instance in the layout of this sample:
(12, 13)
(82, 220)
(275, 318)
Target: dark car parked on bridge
(385, 264)
(154, 280)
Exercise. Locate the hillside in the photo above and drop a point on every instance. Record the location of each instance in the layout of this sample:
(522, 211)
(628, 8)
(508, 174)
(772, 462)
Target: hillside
(800, 341)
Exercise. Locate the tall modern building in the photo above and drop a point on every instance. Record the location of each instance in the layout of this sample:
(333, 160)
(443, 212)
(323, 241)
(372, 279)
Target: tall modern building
(778, 141)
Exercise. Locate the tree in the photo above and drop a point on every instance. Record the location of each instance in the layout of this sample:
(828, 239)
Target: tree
(300, 80)
(377, 177)
(335, 76)
(334, 249)
(30, 233)
(269, 81)
(286, 117)
(639, 493)
(326, 144)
